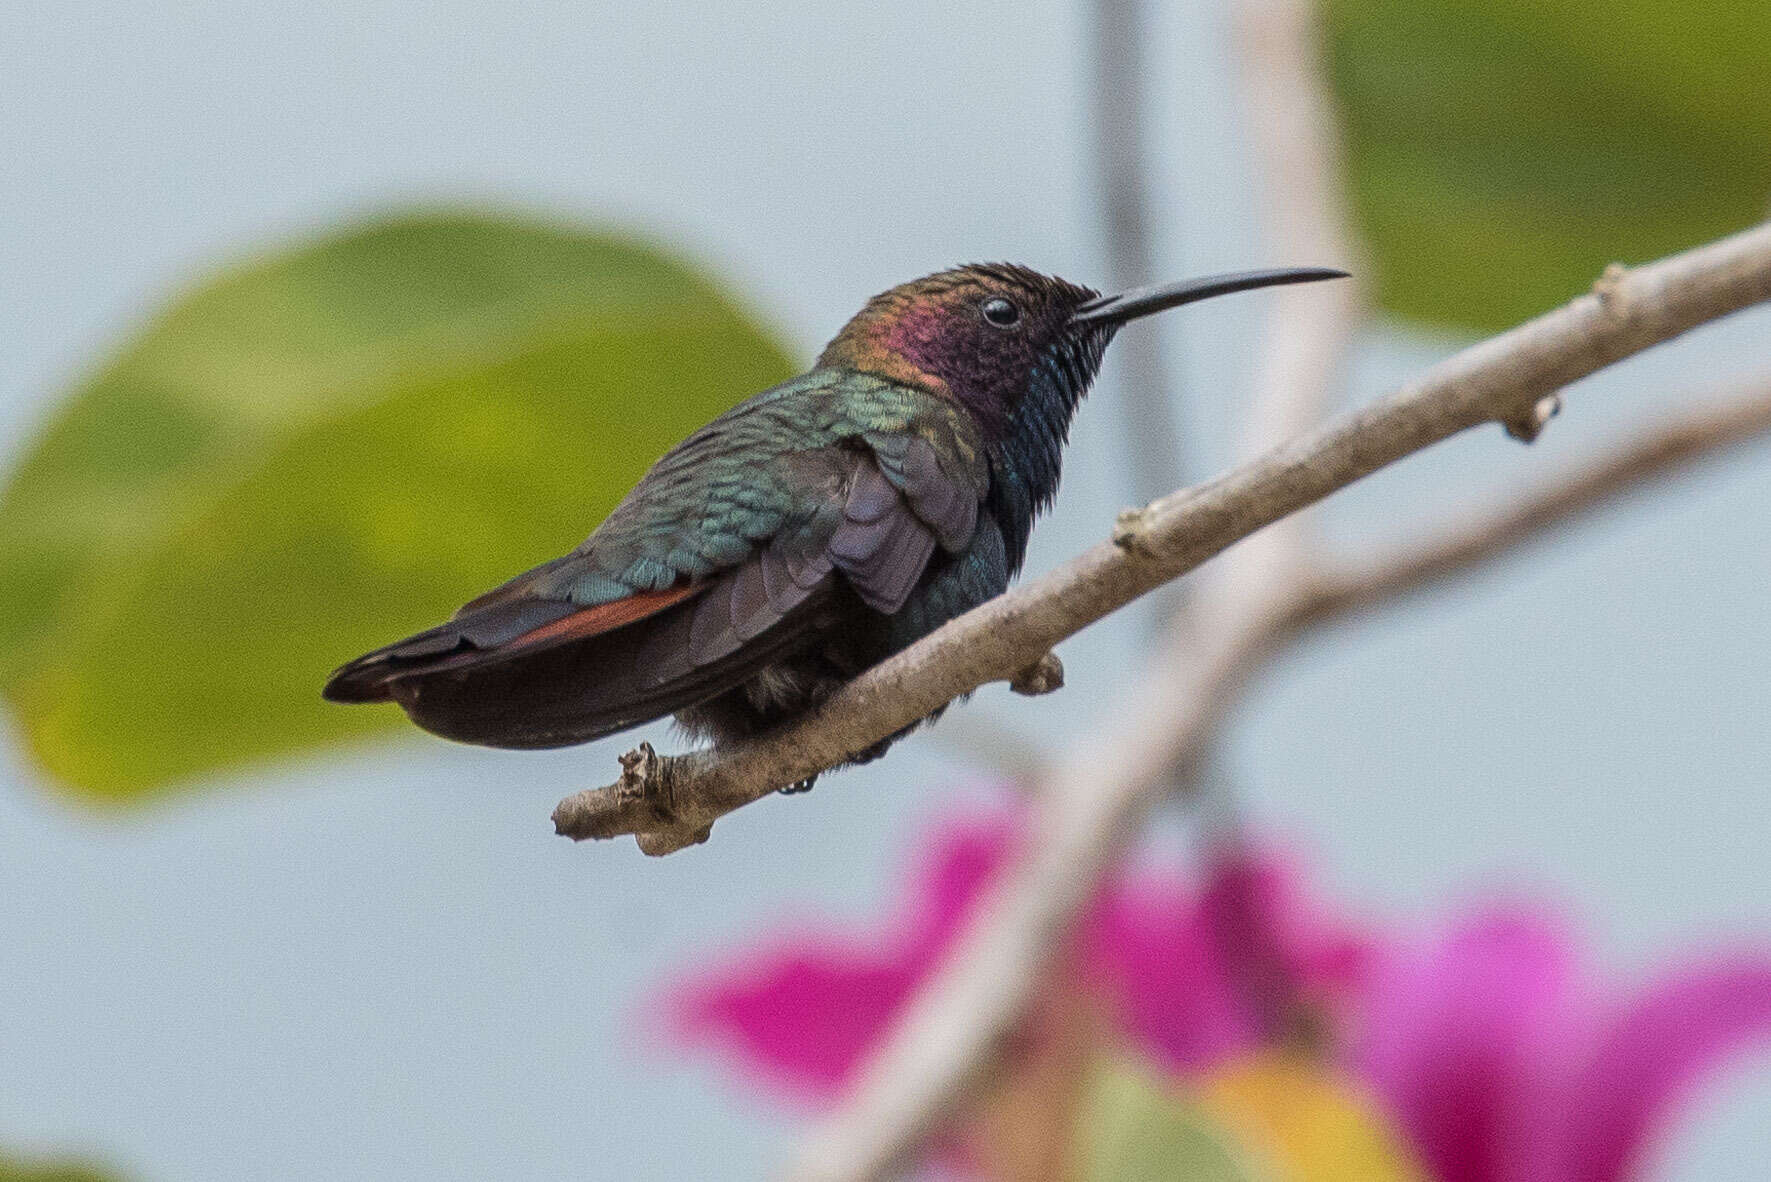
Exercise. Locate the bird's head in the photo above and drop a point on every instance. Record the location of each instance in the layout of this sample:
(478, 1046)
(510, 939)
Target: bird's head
(991, 335)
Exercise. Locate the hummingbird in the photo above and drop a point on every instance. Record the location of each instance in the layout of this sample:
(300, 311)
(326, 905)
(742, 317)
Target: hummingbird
(804, 535)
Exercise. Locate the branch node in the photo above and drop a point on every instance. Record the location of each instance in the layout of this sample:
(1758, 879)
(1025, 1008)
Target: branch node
(659, 842)
(642, 780)
(641, 802)
(1609, 288)
(1528, 426)
(1043, 676)
(1131, 532)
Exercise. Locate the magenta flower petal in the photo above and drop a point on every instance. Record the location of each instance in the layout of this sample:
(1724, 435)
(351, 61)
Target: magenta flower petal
(1457, 1035)
(1151, 949)
(803, 1019)
(966, 854)
(1645, 1062)
(1279, 948)
(806, 1012)
(1202, 975)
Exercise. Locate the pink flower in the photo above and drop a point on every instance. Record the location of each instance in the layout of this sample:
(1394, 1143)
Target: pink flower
(1491, 1052)
(1182, 964)
(1482, 1043)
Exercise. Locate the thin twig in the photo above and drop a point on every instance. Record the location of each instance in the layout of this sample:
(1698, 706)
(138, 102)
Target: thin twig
(673, 801)
(1654, 454)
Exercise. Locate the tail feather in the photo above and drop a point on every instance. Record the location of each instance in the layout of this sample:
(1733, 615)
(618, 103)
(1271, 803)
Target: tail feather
(486, 634)
(593, 686)
(527, 673)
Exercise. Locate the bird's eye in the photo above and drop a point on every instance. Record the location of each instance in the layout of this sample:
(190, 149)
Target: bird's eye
(1000, 312)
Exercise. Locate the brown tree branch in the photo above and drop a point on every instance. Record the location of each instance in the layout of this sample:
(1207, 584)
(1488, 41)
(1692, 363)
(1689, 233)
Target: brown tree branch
(672, 802)
(948, 1038)
(1654, 454)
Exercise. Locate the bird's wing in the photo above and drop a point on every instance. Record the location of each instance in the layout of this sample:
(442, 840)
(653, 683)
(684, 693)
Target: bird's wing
(736, 529)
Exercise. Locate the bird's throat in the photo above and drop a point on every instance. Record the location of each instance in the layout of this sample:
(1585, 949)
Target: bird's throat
(1027, 450)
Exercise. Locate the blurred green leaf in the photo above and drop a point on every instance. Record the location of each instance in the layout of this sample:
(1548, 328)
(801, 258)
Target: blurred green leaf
(1503, 151)
(15, 1170)
(1132, 1127)
(324, 450)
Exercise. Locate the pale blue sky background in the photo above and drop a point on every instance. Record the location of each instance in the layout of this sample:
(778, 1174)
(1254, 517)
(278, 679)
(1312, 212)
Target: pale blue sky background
(384, 966)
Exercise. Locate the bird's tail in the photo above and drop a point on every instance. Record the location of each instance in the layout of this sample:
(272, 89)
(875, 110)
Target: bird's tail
(490, 632)
(539, 673)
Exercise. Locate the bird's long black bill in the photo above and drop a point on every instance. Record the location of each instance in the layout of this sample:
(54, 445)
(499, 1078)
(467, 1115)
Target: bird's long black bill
(1142, 301)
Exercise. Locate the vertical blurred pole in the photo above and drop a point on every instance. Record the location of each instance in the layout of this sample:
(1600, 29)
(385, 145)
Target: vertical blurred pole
(1149, 434)
(1295, 140)
(1149, 422)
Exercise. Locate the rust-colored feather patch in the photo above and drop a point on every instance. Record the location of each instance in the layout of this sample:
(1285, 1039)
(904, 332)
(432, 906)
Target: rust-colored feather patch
(604, 617)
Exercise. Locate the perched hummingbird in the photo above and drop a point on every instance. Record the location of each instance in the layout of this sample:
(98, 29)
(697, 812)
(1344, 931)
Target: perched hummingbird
(804, 535)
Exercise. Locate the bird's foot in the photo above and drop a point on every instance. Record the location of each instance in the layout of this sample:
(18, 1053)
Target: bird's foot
(866, 755)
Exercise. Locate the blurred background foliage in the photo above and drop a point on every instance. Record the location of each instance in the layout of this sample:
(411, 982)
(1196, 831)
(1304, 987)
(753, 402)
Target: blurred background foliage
(16, 1170)
(1502, 152)
(324, 448)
